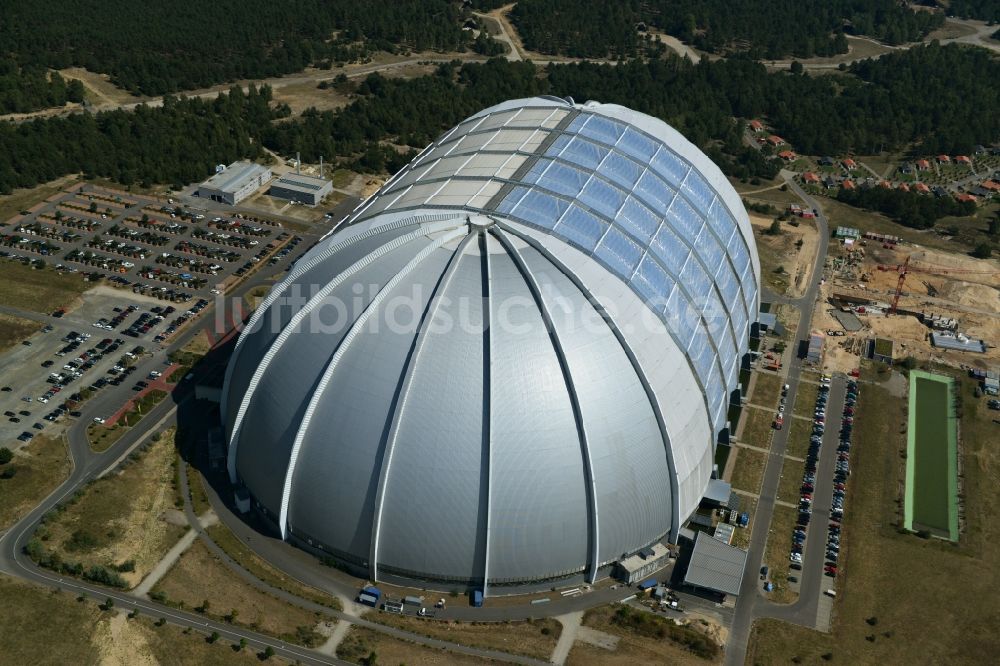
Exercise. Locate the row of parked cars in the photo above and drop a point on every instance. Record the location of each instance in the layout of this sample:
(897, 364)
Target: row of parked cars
(840, 476)
(809, 476)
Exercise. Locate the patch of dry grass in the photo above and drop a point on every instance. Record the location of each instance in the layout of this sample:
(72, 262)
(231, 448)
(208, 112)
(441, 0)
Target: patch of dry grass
(120, 517)
(15, 329)
(236, 549)
(757, 427)
(360, 643)
(535, 638)
(40, 467)
(39, 290)
(21, 199)
(633, 647)
(766, 389)
(748, 470)
(44, 627)
(198, 576)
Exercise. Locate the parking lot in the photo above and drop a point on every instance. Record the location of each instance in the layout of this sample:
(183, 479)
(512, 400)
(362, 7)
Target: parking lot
(156, 267)
(143, 244)
(815, 491)
(50, 375)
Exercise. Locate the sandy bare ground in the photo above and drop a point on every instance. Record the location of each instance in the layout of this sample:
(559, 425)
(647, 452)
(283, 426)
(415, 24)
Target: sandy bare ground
(799, 266)
(122, 643)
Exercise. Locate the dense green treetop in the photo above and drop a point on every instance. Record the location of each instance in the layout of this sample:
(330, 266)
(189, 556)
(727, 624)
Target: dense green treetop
(766, 29)
(153, 48)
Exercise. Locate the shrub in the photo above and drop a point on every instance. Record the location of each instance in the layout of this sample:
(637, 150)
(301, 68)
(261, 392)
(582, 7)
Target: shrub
(6, 455)
(8, 473)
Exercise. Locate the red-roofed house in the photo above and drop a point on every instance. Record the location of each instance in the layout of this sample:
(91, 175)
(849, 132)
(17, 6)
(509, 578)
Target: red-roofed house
(886, 184)
(775, 140)
(966, 197)
(787, 155)
(810, 177)
(850, 164)
(903, 187)
(962, 159)
(943, 159)
(848, 184)
(991, 185)
(922, 188)
(756, 125)
(923, 165)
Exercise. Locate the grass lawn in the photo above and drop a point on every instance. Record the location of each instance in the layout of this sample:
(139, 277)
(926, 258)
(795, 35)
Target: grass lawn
(881, 616)
(644, 638)
(119, 518)
(172, 646)
(791, 481)
(13, 203)
(39, 290)
(776, 554)
(42, 627)
(766, 389)
(805, 398)
(798, 437)
(199, 500)
(757, 428)
(15, 329)
(536, 638)
(101, 437)
(42, 465)
(776, 256)
(198, 577)
(931, 470)
(360, 642)
(235, 548)
(749, 469)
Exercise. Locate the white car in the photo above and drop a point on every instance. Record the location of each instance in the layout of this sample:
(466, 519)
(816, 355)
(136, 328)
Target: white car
(98, 419)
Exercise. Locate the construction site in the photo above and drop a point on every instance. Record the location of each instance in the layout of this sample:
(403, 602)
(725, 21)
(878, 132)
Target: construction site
(912, 301)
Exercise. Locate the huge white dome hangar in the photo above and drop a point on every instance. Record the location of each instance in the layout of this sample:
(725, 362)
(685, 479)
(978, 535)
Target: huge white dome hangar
(580, 281)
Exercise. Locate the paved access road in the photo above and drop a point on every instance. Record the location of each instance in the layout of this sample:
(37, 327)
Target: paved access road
(751, 604)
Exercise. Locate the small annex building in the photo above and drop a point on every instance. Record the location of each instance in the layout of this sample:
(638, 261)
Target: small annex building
(234, 183)
(308, 190)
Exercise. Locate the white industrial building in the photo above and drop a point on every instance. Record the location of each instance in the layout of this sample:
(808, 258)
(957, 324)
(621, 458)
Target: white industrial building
(309, 190)
(235, 183)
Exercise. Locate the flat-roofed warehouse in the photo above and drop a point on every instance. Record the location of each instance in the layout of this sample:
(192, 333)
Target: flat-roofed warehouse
(235, 183)
(298, 187)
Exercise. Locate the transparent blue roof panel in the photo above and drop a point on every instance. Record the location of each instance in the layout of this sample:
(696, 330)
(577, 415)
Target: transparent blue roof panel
(603, 198)
(670, 167)
(584, 153)
(655, 192)
(684, 219)
(563, 179)
(620, 170)
(540, 209)
(698, 190)
(581, 228)
(603, 129)
(511, 200)
(669, 248)
(619, 251)
(638, 220)
(656, 287)
(638, 145)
